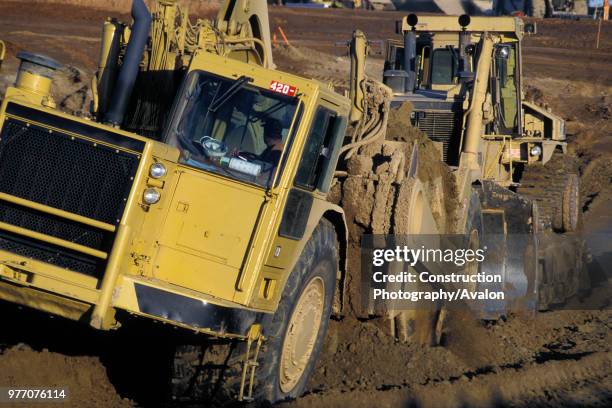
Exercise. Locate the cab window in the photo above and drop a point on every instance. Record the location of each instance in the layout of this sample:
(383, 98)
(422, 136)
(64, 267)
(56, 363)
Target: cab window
(229, 127)
(321, 151)
(505, 93)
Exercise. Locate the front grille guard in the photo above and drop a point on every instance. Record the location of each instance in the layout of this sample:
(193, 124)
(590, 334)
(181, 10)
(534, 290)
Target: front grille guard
(77, 237)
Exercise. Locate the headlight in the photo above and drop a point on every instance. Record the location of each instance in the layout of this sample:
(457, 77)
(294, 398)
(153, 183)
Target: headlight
(535, 151)
(151, 196)
(157, 170)
(503, 52)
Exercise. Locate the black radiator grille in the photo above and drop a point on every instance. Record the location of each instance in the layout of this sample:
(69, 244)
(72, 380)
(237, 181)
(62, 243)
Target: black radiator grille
(79, 176)
(65, 173)
(51, 254)
(442, 127)
(55, 226)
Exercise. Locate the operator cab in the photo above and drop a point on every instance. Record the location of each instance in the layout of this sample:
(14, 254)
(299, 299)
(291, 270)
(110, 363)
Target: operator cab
(438, 73)
(436, 67)
(249, 123)
(231, 127)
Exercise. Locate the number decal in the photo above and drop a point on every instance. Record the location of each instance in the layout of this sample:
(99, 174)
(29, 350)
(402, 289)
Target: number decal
(283, 88)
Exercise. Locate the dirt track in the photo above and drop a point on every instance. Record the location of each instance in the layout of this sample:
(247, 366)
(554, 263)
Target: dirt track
(558, 358)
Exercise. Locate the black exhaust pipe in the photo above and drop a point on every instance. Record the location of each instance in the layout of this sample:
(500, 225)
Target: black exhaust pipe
(409, 59)
(410, 53)
(131, 61)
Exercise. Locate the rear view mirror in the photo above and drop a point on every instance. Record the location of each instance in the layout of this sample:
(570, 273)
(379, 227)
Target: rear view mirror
(530, 28)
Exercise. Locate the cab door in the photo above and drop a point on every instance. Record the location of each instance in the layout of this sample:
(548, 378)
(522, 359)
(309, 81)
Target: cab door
(205, 240)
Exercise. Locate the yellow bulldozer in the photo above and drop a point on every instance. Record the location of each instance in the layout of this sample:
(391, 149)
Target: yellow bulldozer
(523, 146)
(211, 192)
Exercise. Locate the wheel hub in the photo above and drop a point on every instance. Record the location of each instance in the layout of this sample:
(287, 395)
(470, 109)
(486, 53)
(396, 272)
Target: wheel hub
(302, 334)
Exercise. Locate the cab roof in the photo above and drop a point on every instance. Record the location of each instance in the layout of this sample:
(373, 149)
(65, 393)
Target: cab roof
(507, 25)
(266, 78)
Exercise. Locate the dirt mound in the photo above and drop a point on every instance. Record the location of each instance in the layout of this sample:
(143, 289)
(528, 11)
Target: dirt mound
(84, 377)
(561, 354)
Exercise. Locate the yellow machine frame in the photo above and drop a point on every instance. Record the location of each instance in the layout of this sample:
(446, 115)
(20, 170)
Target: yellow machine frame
(147, 250)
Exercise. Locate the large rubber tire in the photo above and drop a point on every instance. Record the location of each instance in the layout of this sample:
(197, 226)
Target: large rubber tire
(570, 207)
(555, 188)
(211, 372)
(318, 264)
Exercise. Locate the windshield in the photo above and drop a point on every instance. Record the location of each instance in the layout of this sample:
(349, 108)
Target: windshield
(231, 128)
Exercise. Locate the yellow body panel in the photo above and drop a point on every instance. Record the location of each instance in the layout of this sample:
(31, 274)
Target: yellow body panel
(207, 232)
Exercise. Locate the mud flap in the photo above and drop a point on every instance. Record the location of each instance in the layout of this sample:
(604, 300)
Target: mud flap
(511, 249)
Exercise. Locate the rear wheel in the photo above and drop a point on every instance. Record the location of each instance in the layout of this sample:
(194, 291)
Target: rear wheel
(570, 207)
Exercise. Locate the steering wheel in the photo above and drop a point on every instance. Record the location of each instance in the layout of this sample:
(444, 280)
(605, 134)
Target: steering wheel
(213, 148)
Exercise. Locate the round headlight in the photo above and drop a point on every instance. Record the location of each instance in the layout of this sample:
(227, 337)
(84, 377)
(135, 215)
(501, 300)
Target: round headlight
(157, 170)
(536, 151)
(151, 196)
(503, 52)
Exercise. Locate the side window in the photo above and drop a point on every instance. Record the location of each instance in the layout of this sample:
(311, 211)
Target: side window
(506, 76)
(321, 150)
(399, 58)
(395, 57)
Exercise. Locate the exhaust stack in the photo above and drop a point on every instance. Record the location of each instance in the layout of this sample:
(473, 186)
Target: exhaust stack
(410, 53)
(131, 61)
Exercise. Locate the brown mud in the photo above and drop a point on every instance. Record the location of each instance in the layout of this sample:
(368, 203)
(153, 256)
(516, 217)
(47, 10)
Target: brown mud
(557, 358)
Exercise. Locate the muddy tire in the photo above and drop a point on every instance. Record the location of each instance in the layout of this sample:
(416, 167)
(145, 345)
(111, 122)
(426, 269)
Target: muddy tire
(207, 372)
(570, 207)
(295, 333)
(555, 189)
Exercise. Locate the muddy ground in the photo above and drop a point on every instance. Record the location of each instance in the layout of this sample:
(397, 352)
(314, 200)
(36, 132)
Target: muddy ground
(557, 358)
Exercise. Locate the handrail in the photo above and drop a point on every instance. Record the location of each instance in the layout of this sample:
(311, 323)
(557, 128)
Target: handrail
(57, 212)
(53, 240)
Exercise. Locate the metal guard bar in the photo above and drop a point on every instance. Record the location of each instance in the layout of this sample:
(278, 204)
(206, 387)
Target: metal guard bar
(52, 240)
(57, 212)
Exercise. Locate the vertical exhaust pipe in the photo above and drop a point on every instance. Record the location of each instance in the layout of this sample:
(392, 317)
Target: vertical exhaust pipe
(410, 52)
(131, 61)
(464, 43)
